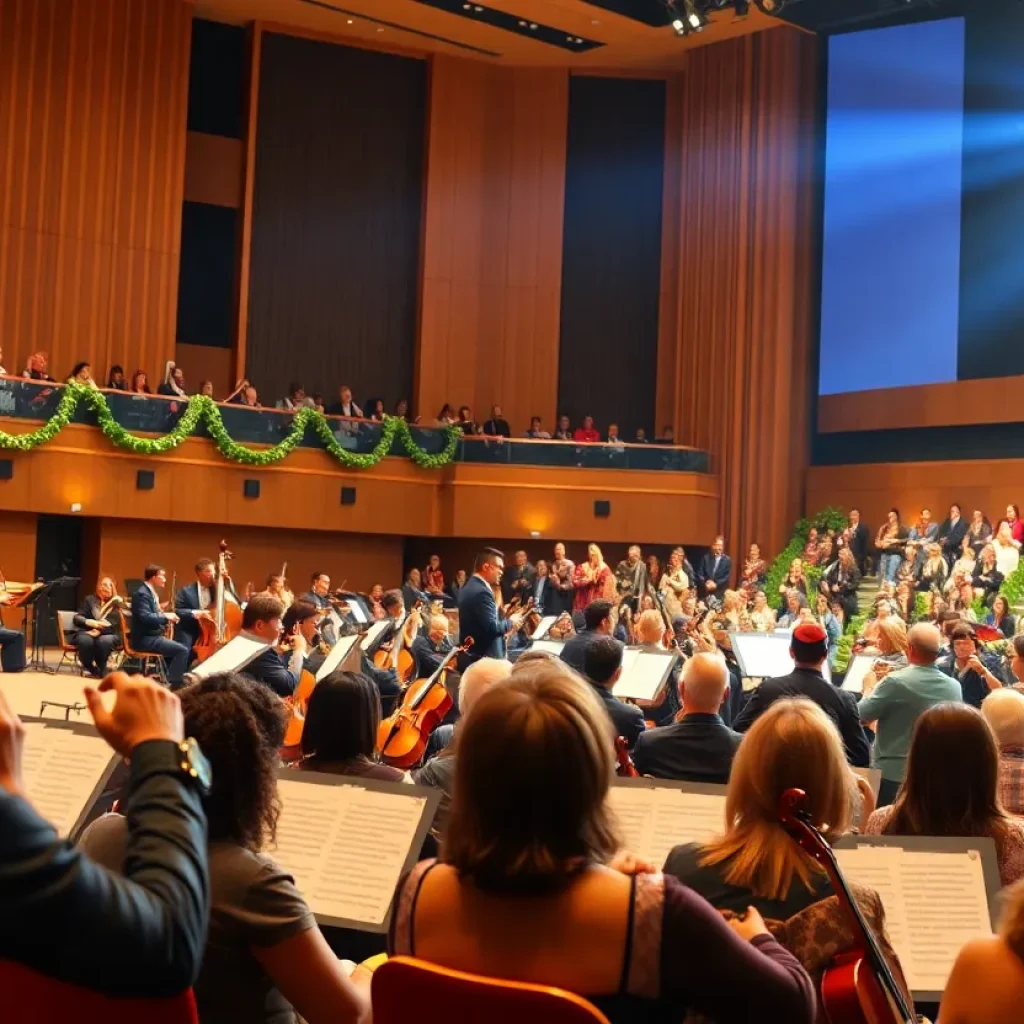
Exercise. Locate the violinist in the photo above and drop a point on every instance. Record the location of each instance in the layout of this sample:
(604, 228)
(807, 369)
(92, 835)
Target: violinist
(196, 602)
(279, 670)
(304, 618)
(373, 599)
(94, 635)
(319, 594)
(429, 650)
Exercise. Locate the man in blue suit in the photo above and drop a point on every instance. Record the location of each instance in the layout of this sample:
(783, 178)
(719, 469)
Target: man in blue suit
(714, 571)
(193, 602)
(149, 625)
(479, 615)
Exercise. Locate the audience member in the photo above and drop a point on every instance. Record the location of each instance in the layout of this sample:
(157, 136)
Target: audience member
(345, 405)
(933, 570)
(115, 379)
(536, 432)
(699, 747)
(755, 863)
(264, 952)
(674, 585)
(954, 794)
(808, 650)
(140, 383)
(810, 552)
(979, 532)
(37, 366)
(899, 700)
(446, 417)
(762, 618)
(1007, 550)
(295, 399)
(592, 579)
(587, 433)
(1004, 712)
(465, 422)
(174, 381)
(1016, 525)
(987, 577)
(952, 533)
(668, 435)
(375, 409)
(890, 540)
(974, 670)
(795, 602)
(543, 833)
(715, 570)
(457, 584)
(497, 425)
(1000, 616)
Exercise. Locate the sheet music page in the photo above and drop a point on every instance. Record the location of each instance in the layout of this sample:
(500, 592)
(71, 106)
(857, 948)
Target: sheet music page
(856, 671)
(934, 903)
(544, 625)
(345, 845)
(337, 654)
(371, 635)
(763, 655)
(642, 674)
(655, 820)
(232, 657)
(60, 769)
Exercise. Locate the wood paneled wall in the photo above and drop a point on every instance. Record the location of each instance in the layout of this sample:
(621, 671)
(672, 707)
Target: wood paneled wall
(18, 547)
(735, 323)
(92, 145)
(492, 248)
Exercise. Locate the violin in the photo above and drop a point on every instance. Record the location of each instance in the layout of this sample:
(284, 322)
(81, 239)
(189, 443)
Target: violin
(624, 767)
(402, 737)
(859, 987)
(227, 620)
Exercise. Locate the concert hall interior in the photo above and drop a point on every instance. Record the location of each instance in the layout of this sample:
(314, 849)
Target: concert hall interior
(511, 508)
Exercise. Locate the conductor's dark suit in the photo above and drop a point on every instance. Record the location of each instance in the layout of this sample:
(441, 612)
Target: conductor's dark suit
(479, 618)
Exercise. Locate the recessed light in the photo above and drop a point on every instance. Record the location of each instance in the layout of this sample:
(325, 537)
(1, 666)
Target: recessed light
(466, 7)
(379, 29)
(522, 24)
(578, 40)
(595, 21)
(349, 21)
(533, 26)
(568, 39)
(478, 9)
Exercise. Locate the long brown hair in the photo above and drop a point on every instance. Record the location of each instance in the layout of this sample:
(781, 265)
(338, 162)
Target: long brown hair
(951, 785)
(794, 744)
(531, 827)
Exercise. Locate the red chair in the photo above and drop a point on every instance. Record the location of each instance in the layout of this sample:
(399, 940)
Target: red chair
(28, 997)
(405, 988)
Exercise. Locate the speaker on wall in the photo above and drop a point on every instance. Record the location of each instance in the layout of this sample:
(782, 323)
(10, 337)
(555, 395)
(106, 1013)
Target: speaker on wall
(348, 495)
(602, 509)
(6, 469)
(251, 488)
(145, 479)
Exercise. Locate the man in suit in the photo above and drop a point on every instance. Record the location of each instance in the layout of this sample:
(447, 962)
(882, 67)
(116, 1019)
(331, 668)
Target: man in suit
(497, 425)
(542, 590)
(261, 620)
(952, 533)
(714, 571)
(345, 406)
(149, 623)
(319, 594)
(479, 616)
(631, 576)
(518, 581)
(597, 621)
(809, 648)
(699, 747)
(857, 538)
(192, 604)
(602, 667)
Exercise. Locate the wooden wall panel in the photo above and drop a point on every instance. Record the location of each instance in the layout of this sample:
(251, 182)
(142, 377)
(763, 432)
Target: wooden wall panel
(737, 315)
(92, 145)
(18, 544)
(492, 244)
(205, 362)
(986, 484)
(214, 169)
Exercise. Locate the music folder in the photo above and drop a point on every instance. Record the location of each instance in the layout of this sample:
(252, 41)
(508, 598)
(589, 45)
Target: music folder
(543, 626)
(766, 655)
(938, 893)
(338, 654)
(860, 665)
(656, 815)
(373, 634)
(347, 841)
(232, 657)
(65, 767)
(644, 673)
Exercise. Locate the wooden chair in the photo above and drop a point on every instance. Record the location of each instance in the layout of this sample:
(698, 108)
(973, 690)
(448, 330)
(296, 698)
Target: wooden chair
(144, 659)
(65, 624)
(32, 998)
(441, 996)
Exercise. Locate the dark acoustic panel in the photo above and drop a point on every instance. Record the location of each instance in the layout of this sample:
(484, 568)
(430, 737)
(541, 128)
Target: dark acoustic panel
(217, 79)
(611, 252)
(206, 276)
(649, 12)
(334, 268)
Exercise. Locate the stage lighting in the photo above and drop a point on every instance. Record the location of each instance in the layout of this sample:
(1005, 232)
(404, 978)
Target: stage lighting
(679, 26)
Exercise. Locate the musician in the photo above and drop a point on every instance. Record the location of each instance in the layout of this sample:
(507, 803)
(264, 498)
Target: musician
(373, 599)
(479, 615)
(602, 667)
(429, 651)
(319, 594)
(12, 642)
(649, 633)
(715, 570)
(412, 589)
(597, 620)
(94, 635)
(261, 620)
(304, 618)
(631, 576)
(149, 624)
(561, 573)
(196, 602)
(518, 581)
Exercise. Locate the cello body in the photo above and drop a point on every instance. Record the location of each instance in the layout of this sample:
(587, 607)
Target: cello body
(851, 994)
(291, 749)
(227, 621)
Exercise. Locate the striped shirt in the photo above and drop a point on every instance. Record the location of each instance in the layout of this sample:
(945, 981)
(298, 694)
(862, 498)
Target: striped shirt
(1011, 779)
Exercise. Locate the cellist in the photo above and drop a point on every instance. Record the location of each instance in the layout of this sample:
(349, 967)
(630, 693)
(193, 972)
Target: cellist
(194, 602)
(429, 650)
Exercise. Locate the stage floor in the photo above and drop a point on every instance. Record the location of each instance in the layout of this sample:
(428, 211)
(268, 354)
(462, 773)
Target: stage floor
(25, 690)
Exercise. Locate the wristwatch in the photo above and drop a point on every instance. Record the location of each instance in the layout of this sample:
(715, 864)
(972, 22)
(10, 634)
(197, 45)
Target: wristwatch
(194, 764)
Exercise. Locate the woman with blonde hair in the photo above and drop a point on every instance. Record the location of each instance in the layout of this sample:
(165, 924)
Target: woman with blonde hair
(762, 617)
(795, 578)
(591, 579)
(734, 610)
(528, 871)
(674, 585)
(933, 571)
(1007, 550)
(793, 745)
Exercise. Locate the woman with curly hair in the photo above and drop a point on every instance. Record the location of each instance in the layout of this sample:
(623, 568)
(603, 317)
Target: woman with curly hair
(264, 952)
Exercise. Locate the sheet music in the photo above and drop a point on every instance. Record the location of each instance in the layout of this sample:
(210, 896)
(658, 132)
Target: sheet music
(61, 769)
(355, 609)
(858, 668)
(763, 655)
(346, 845)
(337, 654)
(232, 657)
(550, 646)
(544, 625)
(373, 633)
(643, 673)
(934, 903)
(655, 819)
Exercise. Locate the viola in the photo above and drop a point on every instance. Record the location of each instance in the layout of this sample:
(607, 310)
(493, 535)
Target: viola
(402, 737)
(291, 749)
(624, 767)
(859, 987)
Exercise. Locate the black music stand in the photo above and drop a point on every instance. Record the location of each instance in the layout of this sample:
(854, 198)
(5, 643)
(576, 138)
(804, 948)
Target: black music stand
(40, 602)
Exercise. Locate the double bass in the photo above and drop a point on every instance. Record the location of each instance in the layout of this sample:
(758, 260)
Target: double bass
(859, 986)
(402, 737)
(227, 616)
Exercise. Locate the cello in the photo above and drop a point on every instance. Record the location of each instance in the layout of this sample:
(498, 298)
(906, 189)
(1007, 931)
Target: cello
(859, 987)
(398, 656)
(227, 616)
(402, 737)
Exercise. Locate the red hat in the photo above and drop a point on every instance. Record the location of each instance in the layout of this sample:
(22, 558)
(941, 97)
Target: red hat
(809, 633)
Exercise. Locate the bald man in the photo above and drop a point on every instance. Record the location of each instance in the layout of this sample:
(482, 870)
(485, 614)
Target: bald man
(430, 650)
(899, 699)
(700, 747)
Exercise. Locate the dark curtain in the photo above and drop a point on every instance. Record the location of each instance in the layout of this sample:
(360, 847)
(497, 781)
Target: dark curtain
(611, 260)
(336, 220)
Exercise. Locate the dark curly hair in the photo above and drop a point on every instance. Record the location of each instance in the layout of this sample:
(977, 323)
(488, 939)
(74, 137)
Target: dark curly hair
(239, 724)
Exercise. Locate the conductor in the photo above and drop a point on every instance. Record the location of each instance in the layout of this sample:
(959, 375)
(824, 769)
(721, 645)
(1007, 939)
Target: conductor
(479, 614)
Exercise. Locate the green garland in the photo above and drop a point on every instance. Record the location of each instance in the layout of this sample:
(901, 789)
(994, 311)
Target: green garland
(827, 519)
(202, 409)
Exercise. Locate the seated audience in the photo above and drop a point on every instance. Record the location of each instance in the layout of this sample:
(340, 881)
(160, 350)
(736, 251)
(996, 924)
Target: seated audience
(174, 381)
(115, 379)
(345, 405)
(497, 425)
(952, 533)
(734, 611)
(613, 435)
(699, 747)
(951, 787)
(439, 771)
(564, 431)
(762, 617)
(340, 734)
(536, 431)
(1006, 548)
(795, 603)
(1015, 523)
(587, 433)
(979, 533)
(810, 552)
(823, 614)
(1004, 712)
(36, 367)
(907, 570)
(140, 383)
(923, 533)
(640, 437)
(841, 581)
(668, 435)
(794, 578)
(602, 667)
(987, 577)
(402, 410)
(975, 671)
(643, 946)
(933, 570)
(295, 399)
(248, 397)
(755, 570)
(81, 373)
(906, 600)
(808, 650)
(446, 417)
(375, 409)
(964, 567)
(899, 700)
(755, 863)
(69, 918)
(986, 985)
(264, 952)
(465, 422)
(1000, 616)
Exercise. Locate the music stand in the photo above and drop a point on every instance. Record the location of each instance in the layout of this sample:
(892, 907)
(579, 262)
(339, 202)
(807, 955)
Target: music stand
(37, 603)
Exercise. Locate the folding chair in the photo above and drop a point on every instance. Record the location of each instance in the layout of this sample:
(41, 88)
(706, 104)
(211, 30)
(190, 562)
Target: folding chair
(65, 624)
(142, 659)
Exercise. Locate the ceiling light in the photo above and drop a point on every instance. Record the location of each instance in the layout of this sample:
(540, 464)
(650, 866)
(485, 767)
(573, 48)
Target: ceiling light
(522, 24)
(349, 21)
(694, 19)
(478, 9)
(533, 26)
(379, 29)
(578, 40)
